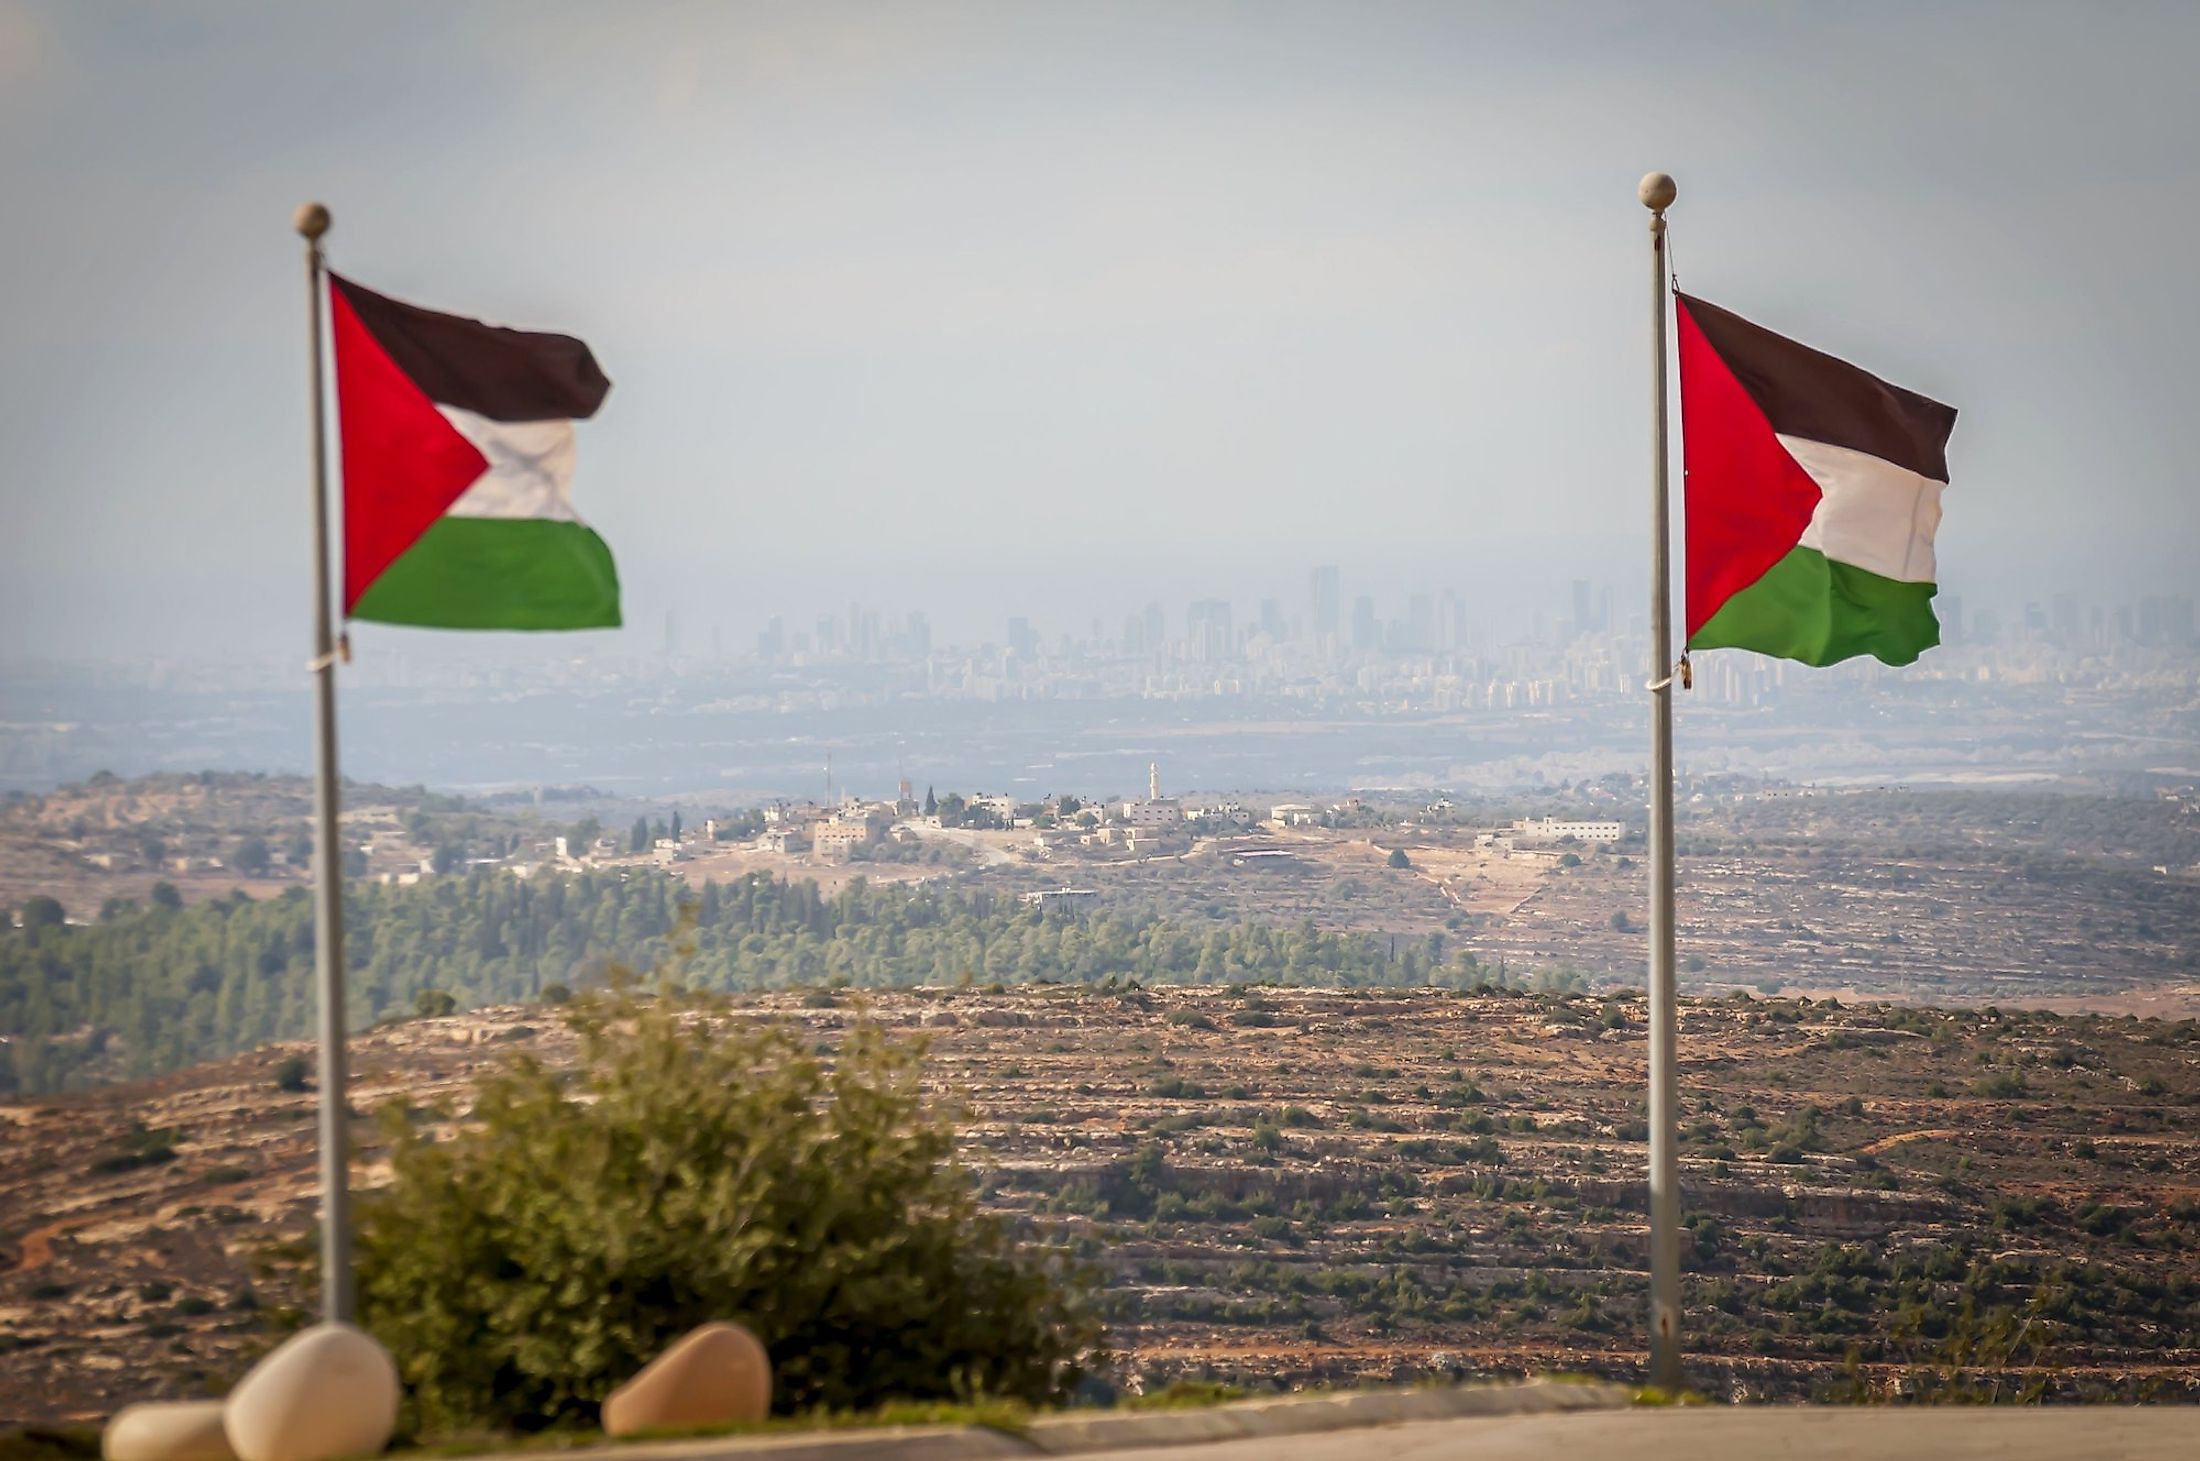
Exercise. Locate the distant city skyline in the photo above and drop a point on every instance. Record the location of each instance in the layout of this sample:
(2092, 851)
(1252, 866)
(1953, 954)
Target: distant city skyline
(1010, 309)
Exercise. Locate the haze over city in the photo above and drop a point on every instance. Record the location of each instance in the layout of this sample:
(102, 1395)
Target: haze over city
(1051, 311)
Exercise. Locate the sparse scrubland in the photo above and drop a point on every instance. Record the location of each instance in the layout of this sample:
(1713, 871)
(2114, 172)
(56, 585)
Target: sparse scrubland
(1282, 1186)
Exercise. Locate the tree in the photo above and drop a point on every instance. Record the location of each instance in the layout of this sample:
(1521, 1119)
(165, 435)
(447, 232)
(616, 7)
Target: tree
(290, 1073)
(676, 824)
(434, 1004)
(699, 1170)
(43, 912)
(1398, 858)
(164, 895)
(448, 858)
(637, 840)
(931, 803)
(251, 857)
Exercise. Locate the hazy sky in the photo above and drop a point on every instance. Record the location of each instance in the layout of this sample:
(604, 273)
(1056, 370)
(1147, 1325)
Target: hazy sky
(1054, 307)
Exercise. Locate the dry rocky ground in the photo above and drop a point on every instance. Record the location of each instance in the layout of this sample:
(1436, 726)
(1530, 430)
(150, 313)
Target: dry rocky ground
(1288, 1186)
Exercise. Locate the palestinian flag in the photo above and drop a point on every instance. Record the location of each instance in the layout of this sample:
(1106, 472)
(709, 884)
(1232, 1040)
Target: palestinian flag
(1813, 493)
(457, 449)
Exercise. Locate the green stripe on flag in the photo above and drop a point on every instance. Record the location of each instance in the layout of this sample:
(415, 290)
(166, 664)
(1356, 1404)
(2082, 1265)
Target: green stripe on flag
(1820, 611)
(499, 573)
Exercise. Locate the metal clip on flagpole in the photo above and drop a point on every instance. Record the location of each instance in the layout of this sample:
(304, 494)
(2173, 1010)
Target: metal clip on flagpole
(1657, 193)
(312, 221)
(1680, 672)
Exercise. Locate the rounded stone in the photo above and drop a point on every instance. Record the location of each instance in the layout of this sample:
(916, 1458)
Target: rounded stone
(1657, 191)
(167, 1430)
(716, 1375)
(327, 1393)
(311, 219)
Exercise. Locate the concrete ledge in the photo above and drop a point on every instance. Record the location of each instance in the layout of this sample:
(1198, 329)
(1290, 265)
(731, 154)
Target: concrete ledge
(1081, 1432)
(885, 1443)
(1295, 1415)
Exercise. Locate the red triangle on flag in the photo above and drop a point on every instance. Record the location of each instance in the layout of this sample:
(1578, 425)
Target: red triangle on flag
(404, 463)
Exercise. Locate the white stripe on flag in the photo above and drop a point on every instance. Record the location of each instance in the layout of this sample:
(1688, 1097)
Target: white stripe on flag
(1874, 515)
(530, 468)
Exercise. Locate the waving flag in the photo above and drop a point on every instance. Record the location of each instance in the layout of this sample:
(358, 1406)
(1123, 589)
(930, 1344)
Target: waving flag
(457, 446)
(1813, 494)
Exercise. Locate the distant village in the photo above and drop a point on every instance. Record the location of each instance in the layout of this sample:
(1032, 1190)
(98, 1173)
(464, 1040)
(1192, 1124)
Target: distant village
(853, 829)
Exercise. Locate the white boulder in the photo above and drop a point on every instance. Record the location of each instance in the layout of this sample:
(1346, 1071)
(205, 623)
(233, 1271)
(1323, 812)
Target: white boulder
(327, 1393)
(715, 1375)
(167, 1430)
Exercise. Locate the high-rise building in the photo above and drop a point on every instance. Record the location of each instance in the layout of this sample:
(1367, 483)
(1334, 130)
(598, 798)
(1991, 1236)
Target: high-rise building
(920, 635)
(1271, 620)
(1420, 622)
(1452, 623)
(772, 643)
(1157, 628)
(1366, 633)
(1023, 640)
(1325, 587)
(1207, 629)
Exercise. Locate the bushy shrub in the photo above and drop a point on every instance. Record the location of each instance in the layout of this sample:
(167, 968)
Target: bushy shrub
(698, 1167)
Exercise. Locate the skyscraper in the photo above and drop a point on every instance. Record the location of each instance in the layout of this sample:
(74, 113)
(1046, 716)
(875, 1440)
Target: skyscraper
(1324, 585)
(1366, 634)
(1207, 627)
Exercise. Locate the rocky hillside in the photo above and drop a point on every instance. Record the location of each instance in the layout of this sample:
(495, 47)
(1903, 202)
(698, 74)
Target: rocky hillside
(1296, 1185)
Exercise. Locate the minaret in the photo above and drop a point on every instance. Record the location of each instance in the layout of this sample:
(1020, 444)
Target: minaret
(1153, 781)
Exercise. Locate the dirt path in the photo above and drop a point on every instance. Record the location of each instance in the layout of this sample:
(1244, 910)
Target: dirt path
(38, 1243)
(1902, 1138)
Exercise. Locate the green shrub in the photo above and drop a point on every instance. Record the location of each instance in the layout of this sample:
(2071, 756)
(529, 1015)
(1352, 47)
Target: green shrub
(291, 1072)
(696, 1167)
(434, 1004)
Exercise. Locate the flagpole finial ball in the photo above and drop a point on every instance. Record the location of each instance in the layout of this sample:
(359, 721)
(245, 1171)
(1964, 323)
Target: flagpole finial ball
(1657, 191)
(311, 219)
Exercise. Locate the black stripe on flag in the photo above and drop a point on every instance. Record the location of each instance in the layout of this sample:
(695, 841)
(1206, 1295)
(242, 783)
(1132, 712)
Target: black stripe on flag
(1807, 393)
(492, 371)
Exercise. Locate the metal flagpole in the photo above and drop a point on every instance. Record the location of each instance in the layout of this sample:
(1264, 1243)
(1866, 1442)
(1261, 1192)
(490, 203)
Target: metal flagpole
(1657, 192)
(328, 942)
